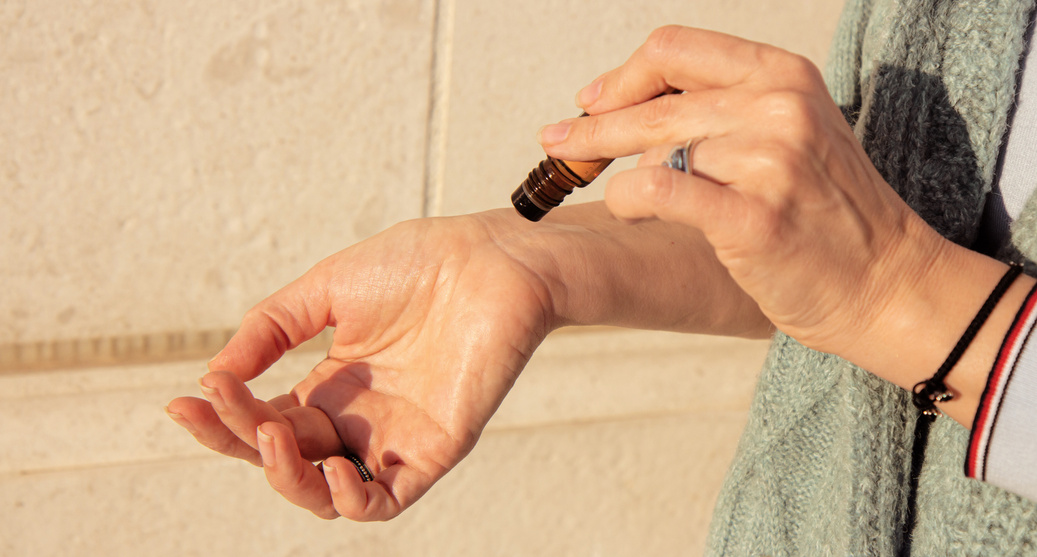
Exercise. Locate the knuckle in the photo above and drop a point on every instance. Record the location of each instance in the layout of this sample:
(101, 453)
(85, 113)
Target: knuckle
(224, 445)
(286, 482)
(664, 42)
(654, 156)
(256, 313)
(800, 69)
(756, 56)
(275, 320)
(789, 67)
(775, 163)
(657, 114)
(660, 189)
(794, 114)
(787, 105)
(591, 130)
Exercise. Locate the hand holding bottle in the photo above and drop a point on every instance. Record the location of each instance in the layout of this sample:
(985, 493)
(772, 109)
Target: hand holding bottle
(790, 201)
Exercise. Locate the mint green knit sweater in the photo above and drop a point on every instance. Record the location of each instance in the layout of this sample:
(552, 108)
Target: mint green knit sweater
(824, 466)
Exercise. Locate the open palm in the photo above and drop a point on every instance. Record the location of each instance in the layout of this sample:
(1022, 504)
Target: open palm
(433, 321)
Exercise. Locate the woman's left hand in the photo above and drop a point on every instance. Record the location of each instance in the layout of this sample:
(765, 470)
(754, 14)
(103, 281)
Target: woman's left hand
(785, 194)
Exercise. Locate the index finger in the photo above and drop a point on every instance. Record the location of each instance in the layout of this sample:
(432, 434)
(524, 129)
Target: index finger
(674, 57)
(286, 319)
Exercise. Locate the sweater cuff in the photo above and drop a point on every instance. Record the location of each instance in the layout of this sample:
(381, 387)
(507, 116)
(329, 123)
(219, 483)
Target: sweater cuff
(1001, 449)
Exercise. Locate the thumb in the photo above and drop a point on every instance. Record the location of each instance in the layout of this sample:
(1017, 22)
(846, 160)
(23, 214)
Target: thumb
(286, 319)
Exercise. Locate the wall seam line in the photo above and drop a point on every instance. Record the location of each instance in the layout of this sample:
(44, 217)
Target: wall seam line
(441, 62)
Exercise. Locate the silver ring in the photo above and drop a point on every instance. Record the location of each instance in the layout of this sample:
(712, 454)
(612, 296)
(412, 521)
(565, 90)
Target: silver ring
(681, 156)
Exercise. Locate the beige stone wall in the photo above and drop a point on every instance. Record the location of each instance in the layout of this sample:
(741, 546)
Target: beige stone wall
(166, 164)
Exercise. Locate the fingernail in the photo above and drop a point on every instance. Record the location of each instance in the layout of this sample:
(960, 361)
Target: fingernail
(333, 475)
(589, 94)
(211, 394)
(180, 420)
(554, 133)
(266, 447)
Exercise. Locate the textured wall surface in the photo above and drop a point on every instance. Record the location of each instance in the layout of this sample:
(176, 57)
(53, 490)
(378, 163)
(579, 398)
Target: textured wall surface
(166, 164)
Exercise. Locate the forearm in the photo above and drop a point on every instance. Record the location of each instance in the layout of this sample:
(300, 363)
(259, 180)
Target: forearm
(652, 275)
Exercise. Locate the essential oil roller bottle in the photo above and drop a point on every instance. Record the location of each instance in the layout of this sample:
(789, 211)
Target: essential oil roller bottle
(549, 183)
(553, 179)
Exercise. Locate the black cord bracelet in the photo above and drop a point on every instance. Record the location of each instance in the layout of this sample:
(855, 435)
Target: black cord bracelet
(927, 393)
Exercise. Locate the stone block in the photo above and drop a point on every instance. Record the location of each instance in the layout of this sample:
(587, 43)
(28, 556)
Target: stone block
(616, 488)
(169, 164)
(517, 67)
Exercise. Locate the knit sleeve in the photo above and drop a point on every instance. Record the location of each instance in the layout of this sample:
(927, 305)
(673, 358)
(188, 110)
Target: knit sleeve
(1001, 449)
(842, 70)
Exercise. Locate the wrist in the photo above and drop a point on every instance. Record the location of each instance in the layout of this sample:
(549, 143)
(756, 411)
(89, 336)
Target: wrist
(563, 254)
(526, 244)
(653, 275)
(934, 290)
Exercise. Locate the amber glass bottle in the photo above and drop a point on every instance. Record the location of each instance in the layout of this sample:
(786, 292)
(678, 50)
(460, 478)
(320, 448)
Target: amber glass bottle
(553, 179)
(549, 183)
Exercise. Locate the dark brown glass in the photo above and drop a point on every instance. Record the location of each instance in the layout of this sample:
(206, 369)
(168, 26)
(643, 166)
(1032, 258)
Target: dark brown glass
(553, 179)
(549, 183)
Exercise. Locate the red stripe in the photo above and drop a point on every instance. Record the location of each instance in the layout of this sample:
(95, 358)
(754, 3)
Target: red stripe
(1000, 365)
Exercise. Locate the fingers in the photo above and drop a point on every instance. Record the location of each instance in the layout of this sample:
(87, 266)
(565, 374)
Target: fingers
(330, 490)
(295, 479)
(316, 434)
(241, 414)
(670, 195)
(726, 81)
(635, 129)
(652, 191)
(708, 157)
(393, 490)
(289, 317)
(284, 402)
(238, 410)
(682, 58)
(198, 418)
(221, 422)
(672, 57)
(227, 422)
(339, 490)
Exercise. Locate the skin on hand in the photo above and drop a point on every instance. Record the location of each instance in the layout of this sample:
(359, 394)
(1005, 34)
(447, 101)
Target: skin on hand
(792, 204)
(423, 353)
(777, 148)
(433, 321)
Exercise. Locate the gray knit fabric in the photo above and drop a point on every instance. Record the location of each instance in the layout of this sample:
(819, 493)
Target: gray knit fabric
(1024, 230)
(824, 464)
